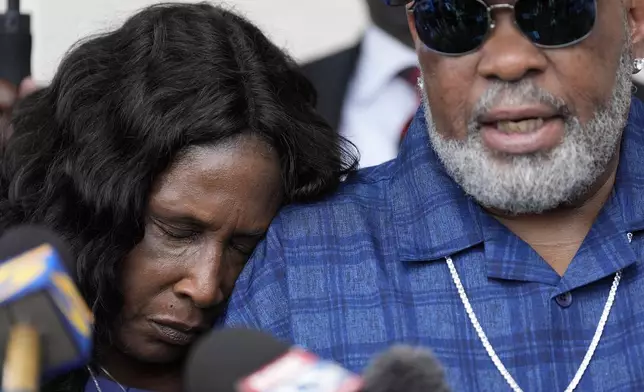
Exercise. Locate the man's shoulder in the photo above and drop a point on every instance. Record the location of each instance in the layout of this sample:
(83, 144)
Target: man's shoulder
(362, 197)
(305, 239)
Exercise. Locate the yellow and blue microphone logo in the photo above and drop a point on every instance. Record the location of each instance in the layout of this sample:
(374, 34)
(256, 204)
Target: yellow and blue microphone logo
(21, 272)
(72, 304)
(40, 271)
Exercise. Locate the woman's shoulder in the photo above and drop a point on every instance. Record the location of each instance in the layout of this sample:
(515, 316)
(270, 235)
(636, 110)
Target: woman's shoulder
(102, 384)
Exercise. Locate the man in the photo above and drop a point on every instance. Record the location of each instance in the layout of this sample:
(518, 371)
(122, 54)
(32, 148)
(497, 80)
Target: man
(368, 92)
(508, 235)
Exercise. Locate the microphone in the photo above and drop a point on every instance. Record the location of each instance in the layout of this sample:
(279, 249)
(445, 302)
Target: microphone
(240, 360)
(243, 360)
(405, 369)
(15, 44)
(44, 322)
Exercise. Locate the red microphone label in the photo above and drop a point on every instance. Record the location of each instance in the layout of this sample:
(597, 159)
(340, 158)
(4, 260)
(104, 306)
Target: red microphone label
(301, 371)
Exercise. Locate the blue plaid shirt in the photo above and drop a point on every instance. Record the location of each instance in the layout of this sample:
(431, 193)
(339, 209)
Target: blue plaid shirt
(349, 276)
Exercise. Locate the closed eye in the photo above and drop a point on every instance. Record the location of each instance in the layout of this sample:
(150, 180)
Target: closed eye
(245, 243)
(177, 232)
(243, 249)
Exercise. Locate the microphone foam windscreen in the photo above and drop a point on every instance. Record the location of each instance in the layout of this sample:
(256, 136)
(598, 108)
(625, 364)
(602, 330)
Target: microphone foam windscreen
(224, 357)
(405, 369)
(20, 239)
(36, 289)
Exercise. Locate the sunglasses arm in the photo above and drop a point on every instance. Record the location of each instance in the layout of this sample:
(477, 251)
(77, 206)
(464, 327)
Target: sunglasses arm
(397, 3)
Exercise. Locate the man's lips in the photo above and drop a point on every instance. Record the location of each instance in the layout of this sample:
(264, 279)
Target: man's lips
(522, 130)
(517, 113)
(543, 138)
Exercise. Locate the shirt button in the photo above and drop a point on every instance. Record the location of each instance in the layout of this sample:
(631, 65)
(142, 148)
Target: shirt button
(564, 300)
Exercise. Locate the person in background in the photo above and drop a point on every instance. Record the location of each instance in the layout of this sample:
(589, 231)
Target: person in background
(9, 96)
(508, 234)
(368, 92)
(638, 86)
(161, 152)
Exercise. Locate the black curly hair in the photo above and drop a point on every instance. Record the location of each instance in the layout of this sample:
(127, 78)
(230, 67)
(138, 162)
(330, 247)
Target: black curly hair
(86, 150)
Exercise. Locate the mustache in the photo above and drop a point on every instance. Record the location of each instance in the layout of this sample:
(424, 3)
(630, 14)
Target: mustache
(520, 93)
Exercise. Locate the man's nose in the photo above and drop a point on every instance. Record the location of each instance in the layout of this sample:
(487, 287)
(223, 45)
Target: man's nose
(507, 54)
(202, 281)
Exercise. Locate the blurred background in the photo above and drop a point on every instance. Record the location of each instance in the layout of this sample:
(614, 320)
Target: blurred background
(357, 53)
(57, 24)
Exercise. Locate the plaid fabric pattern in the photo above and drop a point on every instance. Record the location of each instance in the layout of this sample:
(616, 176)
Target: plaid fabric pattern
(351, 275)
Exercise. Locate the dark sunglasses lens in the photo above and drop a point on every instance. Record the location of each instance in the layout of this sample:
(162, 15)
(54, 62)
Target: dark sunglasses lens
(555, 22)
(451, 26)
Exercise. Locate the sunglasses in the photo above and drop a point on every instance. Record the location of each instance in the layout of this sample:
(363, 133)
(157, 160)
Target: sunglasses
(459, 27)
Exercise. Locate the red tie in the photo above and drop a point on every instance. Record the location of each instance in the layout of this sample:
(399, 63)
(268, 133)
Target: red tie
(410, 75)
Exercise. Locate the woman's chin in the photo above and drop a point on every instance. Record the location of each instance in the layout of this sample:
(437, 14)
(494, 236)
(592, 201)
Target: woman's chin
(153, 351)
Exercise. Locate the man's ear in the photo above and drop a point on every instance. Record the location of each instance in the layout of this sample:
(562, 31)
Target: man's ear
(412, 26)
(635, 15)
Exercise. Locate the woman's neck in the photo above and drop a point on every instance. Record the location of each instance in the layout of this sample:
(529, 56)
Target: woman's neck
(130, 372)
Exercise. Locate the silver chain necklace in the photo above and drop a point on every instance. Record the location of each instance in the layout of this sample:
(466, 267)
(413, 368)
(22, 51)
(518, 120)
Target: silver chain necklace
(495, 358)
(95, 380)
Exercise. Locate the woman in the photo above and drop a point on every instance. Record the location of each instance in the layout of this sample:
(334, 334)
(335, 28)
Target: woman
(161, 151)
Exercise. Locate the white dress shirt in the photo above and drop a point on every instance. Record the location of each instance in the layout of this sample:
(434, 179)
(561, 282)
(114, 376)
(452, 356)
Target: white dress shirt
(378, 102)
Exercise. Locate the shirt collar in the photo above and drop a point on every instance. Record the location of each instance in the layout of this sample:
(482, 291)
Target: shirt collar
(434, 218)
(432, 215)
(629, 182)
(382, 57)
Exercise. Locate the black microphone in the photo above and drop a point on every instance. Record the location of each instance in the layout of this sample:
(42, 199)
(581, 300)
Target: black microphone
(405, 369)
(15, 44)
(243, 360)
(45, 326)
(23, 238)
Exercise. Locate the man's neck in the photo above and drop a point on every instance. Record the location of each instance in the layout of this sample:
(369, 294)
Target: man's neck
(557, 235)
(132, 373)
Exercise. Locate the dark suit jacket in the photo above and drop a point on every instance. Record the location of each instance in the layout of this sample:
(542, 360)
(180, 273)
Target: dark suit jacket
(639, 92)
(331, 76)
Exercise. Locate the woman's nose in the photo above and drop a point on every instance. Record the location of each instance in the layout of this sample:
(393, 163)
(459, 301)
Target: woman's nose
(202, 281)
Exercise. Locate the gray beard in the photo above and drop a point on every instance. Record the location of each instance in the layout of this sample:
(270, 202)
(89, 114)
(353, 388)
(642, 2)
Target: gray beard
(534, 183)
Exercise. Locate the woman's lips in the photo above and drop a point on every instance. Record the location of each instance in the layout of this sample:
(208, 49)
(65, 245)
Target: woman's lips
(523, 137)
(172, 335)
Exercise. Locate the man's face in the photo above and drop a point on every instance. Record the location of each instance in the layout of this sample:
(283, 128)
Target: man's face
(569, 106)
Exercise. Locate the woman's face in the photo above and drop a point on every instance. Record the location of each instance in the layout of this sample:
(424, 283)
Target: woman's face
(206, 214)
